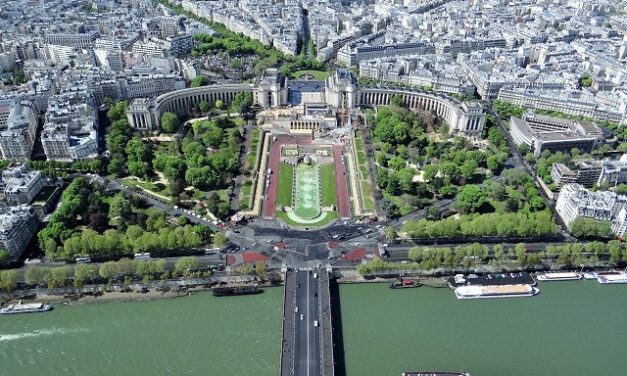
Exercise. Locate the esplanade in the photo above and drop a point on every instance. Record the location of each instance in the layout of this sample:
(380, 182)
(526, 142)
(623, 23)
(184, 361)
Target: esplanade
(339, 91)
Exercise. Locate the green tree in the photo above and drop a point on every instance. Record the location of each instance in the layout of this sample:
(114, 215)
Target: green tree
(5, 256)
(199, 81)
(84, 273)
(219, 104)
(186, 265)
(242, 102)
(8, 280)
(204, 107)
(119, 207)
(34, 275)
(390, 233)
(109, 270)
(219, 240)
(56, 277)
(587, 227)
(471, 198)
(170, 122)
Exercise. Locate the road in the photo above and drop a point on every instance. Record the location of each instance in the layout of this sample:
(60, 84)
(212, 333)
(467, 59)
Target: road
(307, 336)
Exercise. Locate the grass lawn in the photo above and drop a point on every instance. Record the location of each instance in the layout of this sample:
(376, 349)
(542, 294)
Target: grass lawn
(499, 206)
(252, 150)
(359, 144)
(284, 189)
(222, 194)
(149, 186)
(330, 217)
(403, 207)
(327, 181)
(317, 75)
(361, 157)
(366, 192)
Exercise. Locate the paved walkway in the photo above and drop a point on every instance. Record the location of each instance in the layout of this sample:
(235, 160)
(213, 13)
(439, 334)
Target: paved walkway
(341, 185)
(269, 205)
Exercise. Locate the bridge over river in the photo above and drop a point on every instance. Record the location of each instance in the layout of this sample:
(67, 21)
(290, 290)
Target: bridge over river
(307, 343)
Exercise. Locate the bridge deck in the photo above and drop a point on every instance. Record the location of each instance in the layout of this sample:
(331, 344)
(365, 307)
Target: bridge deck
(307, 349)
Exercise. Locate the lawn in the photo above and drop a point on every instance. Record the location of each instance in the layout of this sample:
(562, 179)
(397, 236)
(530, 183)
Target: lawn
(366, 191)
(330, 217)
(327, 181)
(403, 207)
(158, 188)
(284, 189)
(317, 75)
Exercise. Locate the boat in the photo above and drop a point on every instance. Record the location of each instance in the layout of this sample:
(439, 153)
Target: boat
(495, 291)
(25, 308)
(434, 373)
(612, 277)
(404, 284)
(558, 276)
(236, 290)
(590, 275)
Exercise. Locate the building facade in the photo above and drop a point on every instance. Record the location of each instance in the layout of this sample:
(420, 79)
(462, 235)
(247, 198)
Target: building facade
(17, 226)
(575, 201)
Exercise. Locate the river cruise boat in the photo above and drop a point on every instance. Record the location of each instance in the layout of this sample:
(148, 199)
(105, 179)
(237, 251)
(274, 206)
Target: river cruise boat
(429, 373)
(25, 308)
(612, 277)
(495, 291)
(558, 276)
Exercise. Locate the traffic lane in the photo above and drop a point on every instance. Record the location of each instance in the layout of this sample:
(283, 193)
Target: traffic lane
(314, 337)
(301, 339)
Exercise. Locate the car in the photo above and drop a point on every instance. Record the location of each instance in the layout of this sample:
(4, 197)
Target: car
(302, 317)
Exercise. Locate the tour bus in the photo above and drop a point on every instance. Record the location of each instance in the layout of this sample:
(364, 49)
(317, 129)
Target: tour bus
(144, 255)
(83, 260)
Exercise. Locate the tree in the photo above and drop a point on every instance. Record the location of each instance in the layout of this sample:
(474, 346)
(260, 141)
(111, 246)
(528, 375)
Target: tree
(109, 270)
(119, 207)
(56, 277)
(390, 233)
(587, 227)
(390, 209)
(471, 198)
(4, 256)
(204, 106)
(219, 104)
(84, 273)
(170, 122)
(34, 275)
(199, 81)
(8, 280)
(219, 240)
(186, 265)
(523, 149)
(260, 268)
(242, 102)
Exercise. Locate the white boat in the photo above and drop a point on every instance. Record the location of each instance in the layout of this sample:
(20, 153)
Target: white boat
(495, 291)
(590, 275)
(612, 278)
(25, 308)
(558, 276)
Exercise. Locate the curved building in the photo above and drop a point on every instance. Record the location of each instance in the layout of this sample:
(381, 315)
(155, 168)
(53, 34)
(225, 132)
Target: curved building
(341, 91)
(146, 113)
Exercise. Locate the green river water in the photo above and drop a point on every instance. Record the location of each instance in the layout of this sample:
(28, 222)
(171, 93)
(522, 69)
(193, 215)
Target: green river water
(570, 329)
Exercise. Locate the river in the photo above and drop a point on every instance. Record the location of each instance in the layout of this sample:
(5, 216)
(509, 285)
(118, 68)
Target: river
(194, 335)
(569, 329)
